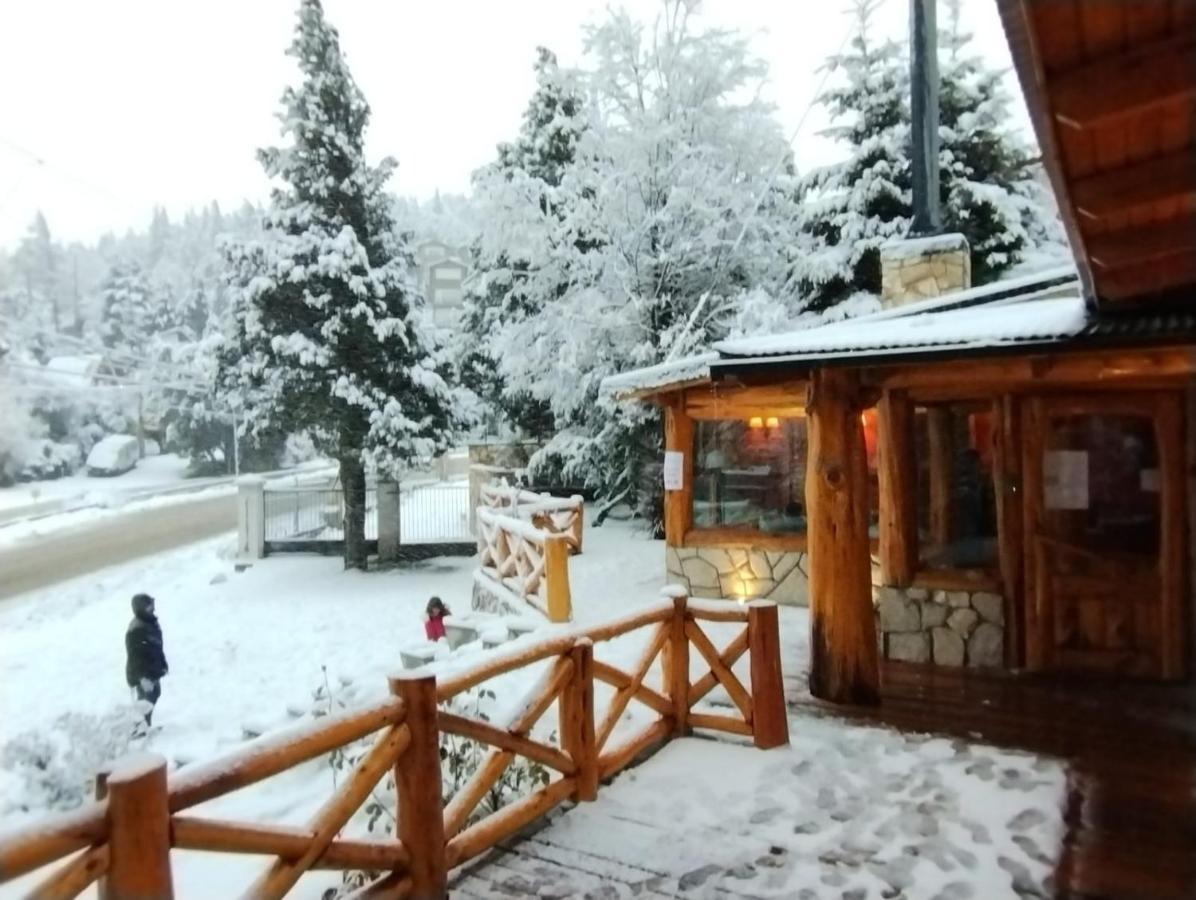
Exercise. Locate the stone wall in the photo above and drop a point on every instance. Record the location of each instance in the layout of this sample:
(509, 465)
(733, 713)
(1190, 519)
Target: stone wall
(948, 628)
(737, 572)
(920, 268)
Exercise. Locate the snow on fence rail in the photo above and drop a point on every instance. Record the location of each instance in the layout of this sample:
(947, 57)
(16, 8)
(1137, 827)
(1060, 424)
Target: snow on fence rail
(524, 564)
(558, 515)
(125, 838)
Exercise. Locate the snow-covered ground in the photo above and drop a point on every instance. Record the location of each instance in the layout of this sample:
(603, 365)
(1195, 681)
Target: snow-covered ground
(844, 811)
(248, 649)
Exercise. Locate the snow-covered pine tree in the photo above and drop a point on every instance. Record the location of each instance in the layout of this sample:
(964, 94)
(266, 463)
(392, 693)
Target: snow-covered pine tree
(525, 180)
(854, 206)
(127, 312)
(336, 339)
(987, 185)
(990, 192)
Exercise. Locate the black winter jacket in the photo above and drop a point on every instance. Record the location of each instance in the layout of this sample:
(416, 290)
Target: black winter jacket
(143, 643)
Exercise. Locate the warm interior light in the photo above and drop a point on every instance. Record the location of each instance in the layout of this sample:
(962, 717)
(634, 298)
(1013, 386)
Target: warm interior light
(773, 422)
(755, 422)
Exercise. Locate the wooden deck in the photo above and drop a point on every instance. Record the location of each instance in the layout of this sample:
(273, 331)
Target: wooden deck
(1131, 804)
(1131, 753)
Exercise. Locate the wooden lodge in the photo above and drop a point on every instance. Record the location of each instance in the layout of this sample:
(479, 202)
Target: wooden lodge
(1002, 476)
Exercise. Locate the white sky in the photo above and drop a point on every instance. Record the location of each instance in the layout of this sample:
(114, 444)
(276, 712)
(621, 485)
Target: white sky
(108, 107)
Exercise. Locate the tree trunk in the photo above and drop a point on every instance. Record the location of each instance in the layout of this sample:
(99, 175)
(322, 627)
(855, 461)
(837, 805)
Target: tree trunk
(843, 658)
(353, 487)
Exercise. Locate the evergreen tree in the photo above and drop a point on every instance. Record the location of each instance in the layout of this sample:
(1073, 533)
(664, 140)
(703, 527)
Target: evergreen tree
(987, 188)
(853, 207)
(990, 193)
(127, 317)
(332, 332)
(527, 174)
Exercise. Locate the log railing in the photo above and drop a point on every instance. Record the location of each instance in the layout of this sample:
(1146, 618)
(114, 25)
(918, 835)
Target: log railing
(556, 515)
(524, 562)
(124, 839)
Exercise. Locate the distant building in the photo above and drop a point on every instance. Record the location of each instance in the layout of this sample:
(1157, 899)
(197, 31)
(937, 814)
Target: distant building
(442, 276)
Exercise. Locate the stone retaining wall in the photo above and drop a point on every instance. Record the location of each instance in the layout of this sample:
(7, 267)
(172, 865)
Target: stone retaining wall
(735, 572)
(948, 628)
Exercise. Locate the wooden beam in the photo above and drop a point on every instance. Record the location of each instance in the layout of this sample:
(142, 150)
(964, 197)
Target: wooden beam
(729, 401)
(1017, 18)
(745, 537)
(843, 658)
(1147, 75)
(1143, 243)
(678, 505)
(897, 475)
(1136, 185)
(941, 459)
(1082, 369)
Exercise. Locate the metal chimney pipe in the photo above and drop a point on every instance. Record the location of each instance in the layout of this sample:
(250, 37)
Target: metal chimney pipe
(924, 116)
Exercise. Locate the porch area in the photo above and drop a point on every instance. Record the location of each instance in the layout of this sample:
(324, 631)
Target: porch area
(1129, 751)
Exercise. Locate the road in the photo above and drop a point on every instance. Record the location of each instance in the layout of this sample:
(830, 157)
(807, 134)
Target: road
(126, 536)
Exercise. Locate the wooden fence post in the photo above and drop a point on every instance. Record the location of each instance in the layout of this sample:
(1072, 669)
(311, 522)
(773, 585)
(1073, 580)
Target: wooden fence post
(770, 721)
(138, 830)
(419, 785)
(577, 720)
(101, 793)
(676, 661)
(579, 521)
(556, 578)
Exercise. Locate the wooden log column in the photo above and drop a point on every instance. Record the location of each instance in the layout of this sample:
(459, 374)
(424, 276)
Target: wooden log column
(897, 475)
(941, 453)
(843, 659)
(678, 505)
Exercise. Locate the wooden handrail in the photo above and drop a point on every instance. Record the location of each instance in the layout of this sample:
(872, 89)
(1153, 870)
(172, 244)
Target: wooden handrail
(142, 808)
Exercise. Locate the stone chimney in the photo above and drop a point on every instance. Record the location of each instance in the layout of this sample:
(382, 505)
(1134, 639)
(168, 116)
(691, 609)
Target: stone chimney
(919, 268)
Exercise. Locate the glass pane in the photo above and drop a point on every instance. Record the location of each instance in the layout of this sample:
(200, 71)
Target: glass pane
(1101, 483)
(957, 512)
(750, 474)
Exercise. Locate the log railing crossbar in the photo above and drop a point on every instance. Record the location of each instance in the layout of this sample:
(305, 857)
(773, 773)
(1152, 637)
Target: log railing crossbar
(528, 562)
(124, 839)
(555, 515)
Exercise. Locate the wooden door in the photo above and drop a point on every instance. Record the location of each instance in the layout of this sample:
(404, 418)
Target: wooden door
(1104, 533)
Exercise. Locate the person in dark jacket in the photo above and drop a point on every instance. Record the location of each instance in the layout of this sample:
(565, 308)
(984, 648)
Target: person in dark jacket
(146, 657)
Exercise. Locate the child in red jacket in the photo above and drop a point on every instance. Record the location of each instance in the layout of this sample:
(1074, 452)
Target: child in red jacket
(434, 620)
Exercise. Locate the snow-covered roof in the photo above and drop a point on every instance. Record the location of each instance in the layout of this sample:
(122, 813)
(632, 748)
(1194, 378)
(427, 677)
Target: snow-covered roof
(1043, 308)
(972, 328)
(675, 373)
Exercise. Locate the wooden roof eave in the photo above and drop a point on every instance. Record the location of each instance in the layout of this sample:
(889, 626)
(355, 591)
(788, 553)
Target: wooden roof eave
(1030, 74)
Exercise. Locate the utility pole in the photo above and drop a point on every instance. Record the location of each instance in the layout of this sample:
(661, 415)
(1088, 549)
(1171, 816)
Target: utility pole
(924, 116)
(140, 422)
(236, 446)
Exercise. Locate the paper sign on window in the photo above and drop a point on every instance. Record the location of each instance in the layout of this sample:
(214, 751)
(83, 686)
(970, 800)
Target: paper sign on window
(1149, 481)
(674, 470)
(1065, 479)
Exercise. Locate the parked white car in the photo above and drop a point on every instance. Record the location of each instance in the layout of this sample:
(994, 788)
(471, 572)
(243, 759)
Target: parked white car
(114, 455)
